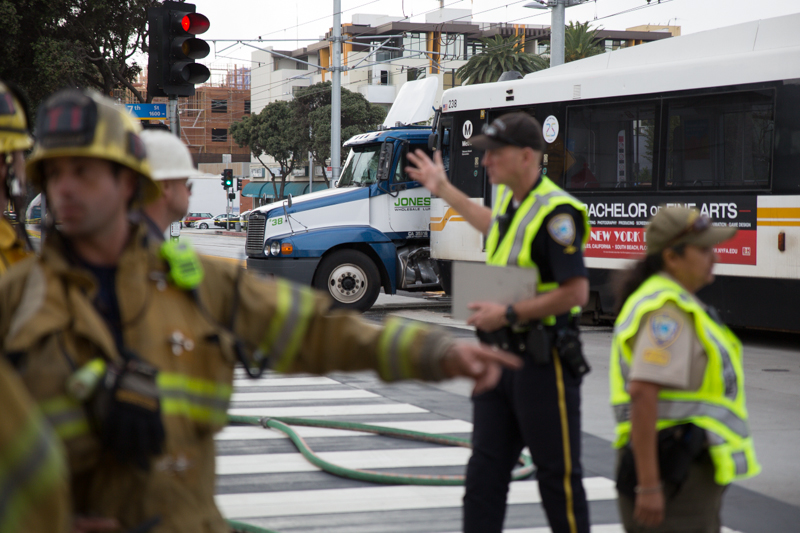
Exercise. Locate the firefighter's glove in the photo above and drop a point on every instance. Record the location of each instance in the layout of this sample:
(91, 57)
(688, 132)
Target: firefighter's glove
(132, 428)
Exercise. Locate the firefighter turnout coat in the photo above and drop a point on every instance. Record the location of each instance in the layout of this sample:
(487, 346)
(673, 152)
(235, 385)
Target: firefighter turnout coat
(50, 327)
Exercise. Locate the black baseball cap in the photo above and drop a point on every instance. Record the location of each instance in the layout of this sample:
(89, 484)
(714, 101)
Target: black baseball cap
(514, 129)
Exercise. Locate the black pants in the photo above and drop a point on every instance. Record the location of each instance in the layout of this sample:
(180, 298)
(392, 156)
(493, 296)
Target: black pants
(537, 407)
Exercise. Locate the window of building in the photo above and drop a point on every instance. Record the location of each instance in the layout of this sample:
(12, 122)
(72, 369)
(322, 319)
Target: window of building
(219, 106)
(413, 43)
(473, 47)
(611, 146)
(720, 140)
(415, 73)
(452, 47)
(450, 79)
(247, 107)
(219, 135)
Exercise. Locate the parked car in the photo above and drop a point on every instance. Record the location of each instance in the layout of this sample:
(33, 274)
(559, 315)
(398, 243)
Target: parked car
(191, 218)
(221, 219)
(206, 223)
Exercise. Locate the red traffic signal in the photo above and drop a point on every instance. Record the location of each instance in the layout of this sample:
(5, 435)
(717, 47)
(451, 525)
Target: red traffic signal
(195, 23)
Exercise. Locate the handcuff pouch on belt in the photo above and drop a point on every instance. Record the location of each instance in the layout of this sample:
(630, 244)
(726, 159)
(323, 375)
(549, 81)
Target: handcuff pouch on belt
(678, 446)
(123, 400)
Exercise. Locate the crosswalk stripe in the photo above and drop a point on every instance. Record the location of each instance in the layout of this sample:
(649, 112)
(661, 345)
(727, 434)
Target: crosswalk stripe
(346, 394)
(425, 426)
(327, 496)
(402, 497)
(361, 459)
(277, 380)
(330, 410)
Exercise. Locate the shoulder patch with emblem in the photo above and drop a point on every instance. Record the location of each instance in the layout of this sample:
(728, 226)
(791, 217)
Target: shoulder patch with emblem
(562, 229)
(664, 327)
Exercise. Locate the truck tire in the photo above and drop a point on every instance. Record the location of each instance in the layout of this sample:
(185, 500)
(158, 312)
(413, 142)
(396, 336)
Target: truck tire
(350, 278)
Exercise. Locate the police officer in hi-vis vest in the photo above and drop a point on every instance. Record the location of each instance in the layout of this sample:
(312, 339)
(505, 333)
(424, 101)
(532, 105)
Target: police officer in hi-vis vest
(129, 343)
(534, 224)
(677, 384)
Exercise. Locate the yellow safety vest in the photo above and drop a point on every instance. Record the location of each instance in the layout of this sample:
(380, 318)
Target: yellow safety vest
(515, 247)
(718, 406)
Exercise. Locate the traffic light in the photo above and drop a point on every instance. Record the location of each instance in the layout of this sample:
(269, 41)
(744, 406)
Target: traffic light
(239, 184)
(227, 178)
(171, 69)
(231, 196)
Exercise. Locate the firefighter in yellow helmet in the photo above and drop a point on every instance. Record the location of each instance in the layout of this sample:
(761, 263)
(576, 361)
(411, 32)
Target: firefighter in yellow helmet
(14, 140)
(131, 342)
(34, 496)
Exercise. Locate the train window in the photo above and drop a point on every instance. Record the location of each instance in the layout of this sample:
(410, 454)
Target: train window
(720, 141)
(610, 146)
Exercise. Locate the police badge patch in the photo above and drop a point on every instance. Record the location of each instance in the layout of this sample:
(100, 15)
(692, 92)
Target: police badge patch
(562, 229)
(664, 328)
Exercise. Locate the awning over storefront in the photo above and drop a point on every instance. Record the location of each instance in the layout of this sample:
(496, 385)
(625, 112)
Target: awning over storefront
(259, 189)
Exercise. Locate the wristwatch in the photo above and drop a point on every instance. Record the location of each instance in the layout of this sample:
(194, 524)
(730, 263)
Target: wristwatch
(511, 316)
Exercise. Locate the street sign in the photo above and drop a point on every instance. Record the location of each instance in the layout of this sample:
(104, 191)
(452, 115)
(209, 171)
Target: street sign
(226, 158)
(148, 111)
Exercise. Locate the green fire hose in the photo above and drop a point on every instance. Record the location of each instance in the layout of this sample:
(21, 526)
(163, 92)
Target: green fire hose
(281, 424)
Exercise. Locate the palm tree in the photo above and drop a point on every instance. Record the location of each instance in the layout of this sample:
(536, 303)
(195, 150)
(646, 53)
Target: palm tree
(499, 55)
(580, 42)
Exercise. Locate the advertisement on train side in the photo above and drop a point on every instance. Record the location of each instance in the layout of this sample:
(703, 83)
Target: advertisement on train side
(618, 225)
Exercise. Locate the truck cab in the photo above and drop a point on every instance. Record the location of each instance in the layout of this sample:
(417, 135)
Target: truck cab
(369, 231)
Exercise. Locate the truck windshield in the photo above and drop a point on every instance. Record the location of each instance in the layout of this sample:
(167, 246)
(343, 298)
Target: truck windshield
(361, 167)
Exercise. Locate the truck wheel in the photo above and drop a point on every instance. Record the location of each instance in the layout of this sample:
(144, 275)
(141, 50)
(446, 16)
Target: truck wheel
(351, 278)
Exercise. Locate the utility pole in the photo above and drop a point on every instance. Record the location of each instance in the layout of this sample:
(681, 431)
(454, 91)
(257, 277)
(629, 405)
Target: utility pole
(336, 91)
(557, 25)
(557, 34)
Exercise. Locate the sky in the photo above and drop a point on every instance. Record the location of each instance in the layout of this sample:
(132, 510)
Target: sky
(310, 19)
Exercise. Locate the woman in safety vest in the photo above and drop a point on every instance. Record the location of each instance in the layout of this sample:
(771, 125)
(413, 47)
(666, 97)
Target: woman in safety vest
(677, 384)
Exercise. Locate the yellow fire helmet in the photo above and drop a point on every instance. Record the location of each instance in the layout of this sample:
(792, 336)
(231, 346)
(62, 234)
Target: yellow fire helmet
(82, 123)
(13, 122)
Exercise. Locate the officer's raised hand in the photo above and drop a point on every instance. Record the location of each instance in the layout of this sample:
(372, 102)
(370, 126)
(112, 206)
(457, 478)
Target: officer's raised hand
(429, 172)
(479, 362)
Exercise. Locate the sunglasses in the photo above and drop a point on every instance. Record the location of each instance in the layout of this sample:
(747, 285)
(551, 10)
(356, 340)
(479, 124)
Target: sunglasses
(697, 225)
(490, 130)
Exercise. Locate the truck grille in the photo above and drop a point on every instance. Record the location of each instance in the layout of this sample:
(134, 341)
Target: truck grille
(256, 226)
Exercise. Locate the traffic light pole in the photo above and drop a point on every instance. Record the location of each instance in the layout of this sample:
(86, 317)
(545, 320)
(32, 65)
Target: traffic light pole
(173, 116)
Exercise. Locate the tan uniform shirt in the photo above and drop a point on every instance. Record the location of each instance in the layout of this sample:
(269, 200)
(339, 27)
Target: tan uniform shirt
(47, 316)
(666, 350)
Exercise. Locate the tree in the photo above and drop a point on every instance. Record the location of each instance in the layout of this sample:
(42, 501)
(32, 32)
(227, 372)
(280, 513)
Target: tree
(273, 132)
(312, 107)
(580, 42)
(500, 54)
(48, 45)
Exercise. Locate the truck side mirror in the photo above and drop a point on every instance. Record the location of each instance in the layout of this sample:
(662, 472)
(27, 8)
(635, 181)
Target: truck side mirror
(433, 141)
(289, 201)
(385, 160)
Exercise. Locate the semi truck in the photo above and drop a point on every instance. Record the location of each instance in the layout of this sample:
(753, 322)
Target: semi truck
(370, 231)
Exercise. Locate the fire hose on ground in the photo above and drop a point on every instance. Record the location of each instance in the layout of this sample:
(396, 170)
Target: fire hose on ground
(524, 470)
